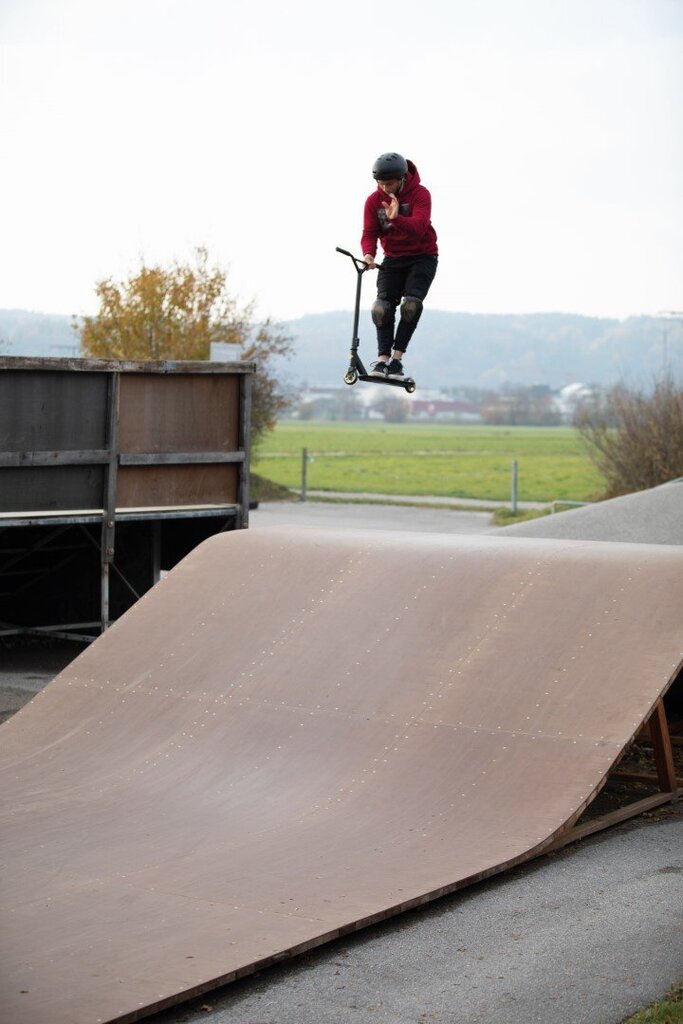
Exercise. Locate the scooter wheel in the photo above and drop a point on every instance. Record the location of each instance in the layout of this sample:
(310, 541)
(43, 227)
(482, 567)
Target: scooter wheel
(351, 376)
(410, 386)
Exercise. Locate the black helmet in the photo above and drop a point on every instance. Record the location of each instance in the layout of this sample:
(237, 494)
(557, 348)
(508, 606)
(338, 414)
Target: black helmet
(388, 166)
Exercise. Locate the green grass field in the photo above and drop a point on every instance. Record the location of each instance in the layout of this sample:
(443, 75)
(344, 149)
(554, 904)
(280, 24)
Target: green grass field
(668, 1011)
(424, 459)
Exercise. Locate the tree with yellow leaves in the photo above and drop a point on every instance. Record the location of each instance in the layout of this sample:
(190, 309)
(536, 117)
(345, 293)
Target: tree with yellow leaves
(176, 313)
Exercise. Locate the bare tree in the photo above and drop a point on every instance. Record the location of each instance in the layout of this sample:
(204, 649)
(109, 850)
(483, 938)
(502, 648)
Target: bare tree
(635, 438)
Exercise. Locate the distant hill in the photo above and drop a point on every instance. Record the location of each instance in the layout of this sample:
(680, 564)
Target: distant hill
(449, 349)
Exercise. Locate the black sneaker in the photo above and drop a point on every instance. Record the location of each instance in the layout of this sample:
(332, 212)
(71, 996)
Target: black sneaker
(378, 369)
(395, 370)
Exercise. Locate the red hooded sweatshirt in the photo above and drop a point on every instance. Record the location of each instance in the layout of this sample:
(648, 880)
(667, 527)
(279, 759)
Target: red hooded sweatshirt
(411, 232)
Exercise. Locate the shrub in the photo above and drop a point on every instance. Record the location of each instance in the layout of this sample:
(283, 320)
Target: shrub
(635, 438)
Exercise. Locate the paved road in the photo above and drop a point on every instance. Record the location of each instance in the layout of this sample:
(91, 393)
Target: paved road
(413, 499)
(654, 516)
(368, 517)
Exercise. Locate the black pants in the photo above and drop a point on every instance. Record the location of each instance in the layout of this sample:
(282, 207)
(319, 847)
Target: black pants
(401, 276)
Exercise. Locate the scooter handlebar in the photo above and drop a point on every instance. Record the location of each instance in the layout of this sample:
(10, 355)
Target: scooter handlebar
(360, 265)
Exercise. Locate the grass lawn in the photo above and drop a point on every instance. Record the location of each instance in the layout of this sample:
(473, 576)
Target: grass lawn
(424, 459)
(669, 1011)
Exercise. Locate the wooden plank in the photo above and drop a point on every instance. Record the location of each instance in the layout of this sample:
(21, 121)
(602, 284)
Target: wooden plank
(177, 485)
(141, 514)
(49, 412)
(246, 781)
(164, 366)
(244, 442)
(640, 777)
(661, 742)
(631, 810)
(179, 413)
(178, 458)
(64, 458)
(108, 532)
(101, 456)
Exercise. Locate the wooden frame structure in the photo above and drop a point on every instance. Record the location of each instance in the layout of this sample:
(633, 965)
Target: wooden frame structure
(239, 772)
(103, 454)
(670, 786)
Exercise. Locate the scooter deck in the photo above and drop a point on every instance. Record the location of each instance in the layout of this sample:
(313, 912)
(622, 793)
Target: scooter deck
(405, 382)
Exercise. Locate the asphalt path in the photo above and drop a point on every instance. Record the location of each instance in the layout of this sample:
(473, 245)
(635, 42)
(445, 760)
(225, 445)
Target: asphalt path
(368, 517)
(654, 516)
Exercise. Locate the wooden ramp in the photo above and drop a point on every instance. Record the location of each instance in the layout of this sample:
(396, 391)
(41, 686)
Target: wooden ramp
(300, 732)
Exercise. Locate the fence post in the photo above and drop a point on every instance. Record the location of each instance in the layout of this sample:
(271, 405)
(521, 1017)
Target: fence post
(515, 476)
(304, 467)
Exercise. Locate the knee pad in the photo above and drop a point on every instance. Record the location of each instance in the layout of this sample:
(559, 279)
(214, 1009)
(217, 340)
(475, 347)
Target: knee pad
(411, 309)
(382, 313)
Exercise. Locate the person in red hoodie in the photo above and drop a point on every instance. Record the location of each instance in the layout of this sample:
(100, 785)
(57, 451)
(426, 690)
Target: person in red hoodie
(398, 214)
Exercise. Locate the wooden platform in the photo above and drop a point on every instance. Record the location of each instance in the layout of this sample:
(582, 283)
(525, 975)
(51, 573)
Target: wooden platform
(298, 733)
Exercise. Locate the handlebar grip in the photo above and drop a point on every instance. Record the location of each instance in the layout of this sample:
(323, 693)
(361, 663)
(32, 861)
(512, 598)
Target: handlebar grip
(360, 265)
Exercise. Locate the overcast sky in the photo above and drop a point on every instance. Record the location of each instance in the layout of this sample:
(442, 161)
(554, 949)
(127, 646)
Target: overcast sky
(548, 131)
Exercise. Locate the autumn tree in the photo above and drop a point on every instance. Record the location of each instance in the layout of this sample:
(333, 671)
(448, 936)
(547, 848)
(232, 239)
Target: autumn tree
(177, 312)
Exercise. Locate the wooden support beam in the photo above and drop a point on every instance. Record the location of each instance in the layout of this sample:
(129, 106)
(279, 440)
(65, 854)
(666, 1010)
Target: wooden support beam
(178, 458)
(108, 531)
(572, 835)
(657, 729)
(661, 742)
(244, 442)
(640, 777)
(85, 458)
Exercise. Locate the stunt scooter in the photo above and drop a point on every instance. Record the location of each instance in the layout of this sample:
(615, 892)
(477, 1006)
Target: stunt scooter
(356, 370)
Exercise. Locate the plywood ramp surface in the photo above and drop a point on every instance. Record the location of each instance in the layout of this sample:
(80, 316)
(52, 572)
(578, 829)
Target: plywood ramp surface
(298, 732)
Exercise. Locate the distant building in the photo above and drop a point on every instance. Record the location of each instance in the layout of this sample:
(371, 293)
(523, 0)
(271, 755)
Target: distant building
(570, 397)
(433, 405)
(368, 401)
